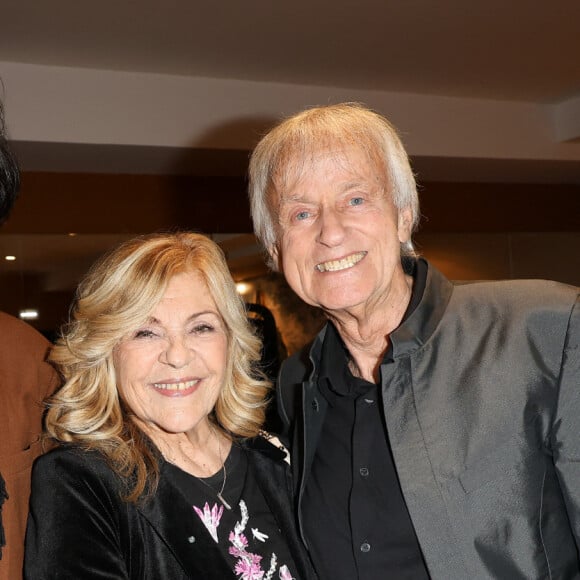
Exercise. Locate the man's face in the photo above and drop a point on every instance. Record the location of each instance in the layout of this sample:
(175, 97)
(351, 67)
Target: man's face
(339, 233)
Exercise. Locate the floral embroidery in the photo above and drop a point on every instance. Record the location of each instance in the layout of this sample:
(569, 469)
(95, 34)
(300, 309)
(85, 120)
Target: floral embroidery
(210, 518)
(248, 565)
(285, 573)
(258, 535)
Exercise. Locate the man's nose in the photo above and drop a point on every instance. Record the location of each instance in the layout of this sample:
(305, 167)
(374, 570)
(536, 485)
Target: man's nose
(331, 227)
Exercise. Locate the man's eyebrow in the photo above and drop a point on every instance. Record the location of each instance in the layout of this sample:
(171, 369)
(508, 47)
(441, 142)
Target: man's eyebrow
(344, 187)
(353, 184)
(292, 198)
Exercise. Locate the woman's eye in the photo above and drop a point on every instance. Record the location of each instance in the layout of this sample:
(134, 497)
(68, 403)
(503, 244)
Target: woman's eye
(202, 328)
(144, 333)
(356, 201)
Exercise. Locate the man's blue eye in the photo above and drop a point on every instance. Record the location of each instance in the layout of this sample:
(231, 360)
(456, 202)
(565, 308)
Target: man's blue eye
(302, 215)
(356, 201)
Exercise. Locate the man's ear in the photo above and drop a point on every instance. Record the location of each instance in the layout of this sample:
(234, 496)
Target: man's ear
(405, 224)
(274, 254)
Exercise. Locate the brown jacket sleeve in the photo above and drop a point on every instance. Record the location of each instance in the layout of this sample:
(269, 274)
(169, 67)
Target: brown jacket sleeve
(26, 379)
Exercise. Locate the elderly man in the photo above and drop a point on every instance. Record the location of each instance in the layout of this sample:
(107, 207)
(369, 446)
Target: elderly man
(25, 379)
(435, 429)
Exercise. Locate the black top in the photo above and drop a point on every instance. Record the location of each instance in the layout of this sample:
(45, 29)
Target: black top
(357, 523)
(247, 534)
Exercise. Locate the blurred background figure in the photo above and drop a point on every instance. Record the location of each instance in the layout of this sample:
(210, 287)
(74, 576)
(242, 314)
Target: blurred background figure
(25, 380)
(273, 353)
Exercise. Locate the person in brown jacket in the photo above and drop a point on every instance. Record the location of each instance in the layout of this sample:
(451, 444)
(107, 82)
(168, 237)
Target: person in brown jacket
(25, 380)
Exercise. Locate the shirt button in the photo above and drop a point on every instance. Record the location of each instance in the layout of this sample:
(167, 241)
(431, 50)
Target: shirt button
(365, 547)
(369, 401)
(364, 471)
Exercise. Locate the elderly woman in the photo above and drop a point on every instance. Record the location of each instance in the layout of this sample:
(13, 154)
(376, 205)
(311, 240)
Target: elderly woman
(162, 472)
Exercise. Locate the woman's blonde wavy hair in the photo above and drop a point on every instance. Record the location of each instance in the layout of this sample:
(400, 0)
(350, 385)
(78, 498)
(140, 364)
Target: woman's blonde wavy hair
(116, 297)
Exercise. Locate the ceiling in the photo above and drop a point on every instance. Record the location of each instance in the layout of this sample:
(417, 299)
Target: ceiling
(524, 50)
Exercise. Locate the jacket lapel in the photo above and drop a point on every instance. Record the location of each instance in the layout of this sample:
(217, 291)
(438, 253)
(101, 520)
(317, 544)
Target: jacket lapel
(414, 466)
(402, 398)
(272, 474)
(314, 407)
(169, 513)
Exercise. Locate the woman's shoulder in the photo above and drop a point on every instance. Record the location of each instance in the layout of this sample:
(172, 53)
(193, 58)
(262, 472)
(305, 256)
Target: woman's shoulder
(68, 462)
(269, 445)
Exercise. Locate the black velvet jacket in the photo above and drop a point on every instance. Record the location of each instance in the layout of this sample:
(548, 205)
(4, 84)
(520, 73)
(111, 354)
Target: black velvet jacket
(80, 528)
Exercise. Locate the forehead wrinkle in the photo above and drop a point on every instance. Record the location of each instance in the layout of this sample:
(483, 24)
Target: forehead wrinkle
(295, 164)
(291, 192)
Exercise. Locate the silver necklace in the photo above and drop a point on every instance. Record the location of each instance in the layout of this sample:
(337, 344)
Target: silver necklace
(220, 492)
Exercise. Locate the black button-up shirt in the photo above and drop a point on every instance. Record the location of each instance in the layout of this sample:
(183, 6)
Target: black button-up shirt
(356, 521)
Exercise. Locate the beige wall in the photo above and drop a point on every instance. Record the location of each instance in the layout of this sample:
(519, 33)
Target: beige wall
(465, 256)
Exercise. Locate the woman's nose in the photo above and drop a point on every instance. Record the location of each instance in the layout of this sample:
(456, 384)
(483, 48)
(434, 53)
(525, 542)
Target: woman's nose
(177, 352)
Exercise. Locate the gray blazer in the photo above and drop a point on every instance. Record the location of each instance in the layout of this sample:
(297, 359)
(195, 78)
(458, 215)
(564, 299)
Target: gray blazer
(482, 407)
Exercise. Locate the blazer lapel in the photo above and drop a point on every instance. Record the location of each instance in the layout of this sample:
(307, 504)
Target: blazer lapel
(314, 407)
(169, 513)
(426, 503)
(271, 472)
(272, 475)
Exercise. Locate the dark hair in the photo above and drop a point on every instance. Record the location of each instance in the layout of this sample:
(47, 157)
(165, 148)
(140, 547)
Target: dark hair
(9, 175)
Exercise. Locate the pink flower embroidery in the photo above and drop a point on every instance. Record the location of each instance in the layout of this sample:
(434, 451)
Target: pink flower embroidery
(210, 518)
(248, 567)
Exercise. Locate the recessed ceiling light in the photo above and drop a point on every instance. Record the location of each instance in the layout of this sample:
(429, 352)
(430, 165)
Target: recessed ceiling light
(10, 258)
(242, 287)
(28, 314)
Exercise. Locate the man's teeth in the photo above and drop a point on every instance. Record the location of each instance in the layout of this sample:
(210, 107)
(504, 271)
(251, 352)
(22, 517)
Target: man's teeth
(335, 265)
(175, 386)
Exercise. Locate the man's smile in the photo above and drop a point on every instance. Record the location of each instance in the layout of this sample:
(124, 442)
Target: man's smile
(342, 264)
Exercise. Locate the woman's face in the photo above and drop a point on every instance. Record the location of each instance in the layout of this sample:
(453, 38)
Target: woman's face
(171, 369)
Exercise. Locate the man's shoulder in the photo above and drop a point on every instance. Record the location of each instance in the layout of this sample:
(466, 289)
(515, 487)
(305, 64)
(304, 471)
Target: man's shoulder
(523, 293)
(14, 331)
(26, 376)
